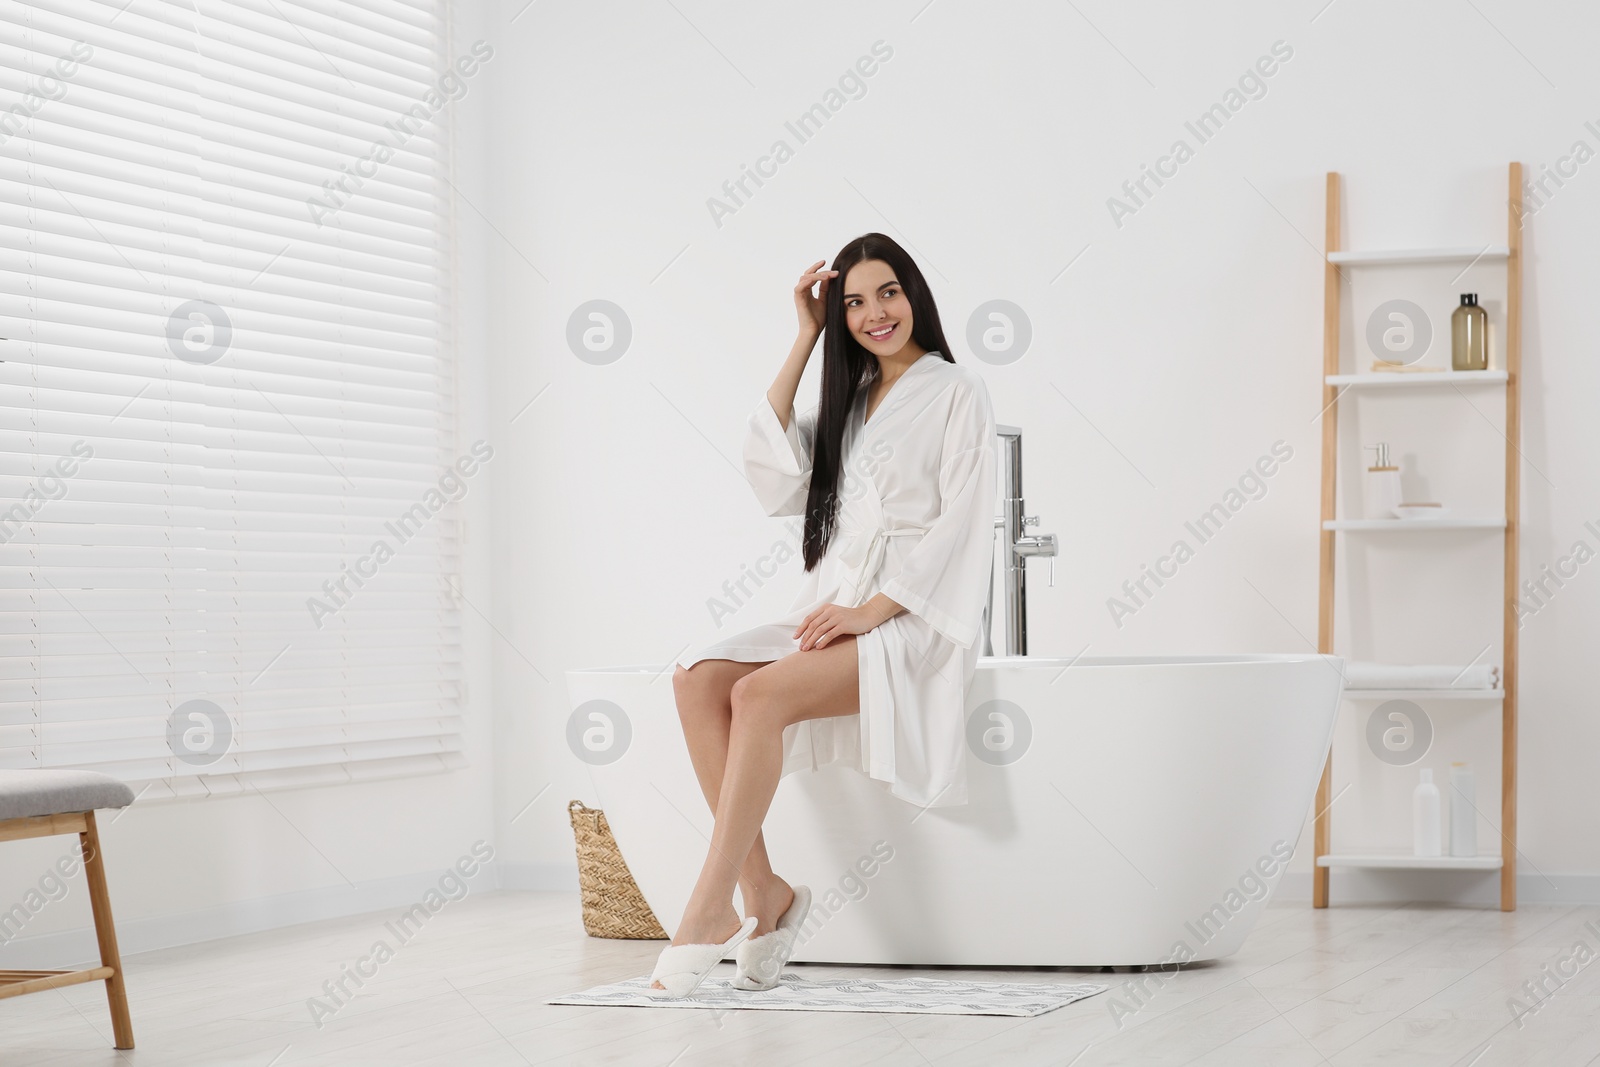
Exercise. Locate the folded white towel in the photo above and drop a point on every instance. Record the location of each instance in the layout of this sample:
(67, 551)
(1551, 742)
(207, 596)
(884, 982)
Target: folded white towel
(1359, 674)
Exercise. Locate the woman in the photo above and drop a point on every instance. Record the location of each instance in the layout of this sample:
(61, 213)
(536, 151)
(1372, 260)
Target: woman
(872, 665)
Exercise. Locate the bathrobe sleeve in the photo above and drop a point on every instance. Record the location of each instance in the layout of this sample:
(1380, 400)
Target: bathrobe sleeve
(945, 579)
(777, 461)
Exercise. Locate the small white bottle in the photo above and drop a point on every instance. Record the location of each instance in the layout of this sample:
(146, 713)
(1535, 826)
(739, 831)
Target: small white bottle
(1381, 489)
(1463, 811)
(1425, 823)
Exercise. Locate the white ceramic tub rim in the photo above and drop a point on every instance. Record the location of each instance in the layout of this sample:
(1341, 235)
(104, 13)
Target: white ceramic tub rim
(1220, 659)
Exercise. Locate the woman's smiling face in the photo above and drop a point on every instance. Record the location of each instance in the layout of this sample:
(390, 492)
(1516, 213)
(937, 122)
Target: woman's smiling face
(876, 308)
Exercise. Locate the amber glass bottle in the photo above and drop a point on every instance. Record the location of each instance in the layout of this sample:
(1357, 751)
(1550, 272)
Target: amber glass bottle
(1469, 348)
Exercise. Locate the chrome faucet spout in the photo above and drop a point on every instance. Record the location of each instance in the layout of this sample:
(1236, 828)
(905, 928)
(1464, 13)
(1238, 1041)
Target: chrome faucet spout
(1019, 546)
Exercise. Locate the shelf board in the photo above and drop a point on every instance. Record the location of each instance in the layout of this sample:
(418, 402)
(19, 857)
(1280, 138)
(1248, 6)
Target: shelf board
(1424, 694)
(1396, 379)
(1406, 860)
(1398, 256)
(1359, 525)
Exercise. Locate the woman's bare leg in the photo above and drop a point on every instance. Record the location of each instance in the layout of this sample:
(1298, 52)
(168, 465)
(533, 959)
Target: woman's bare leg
(816, 683)
(705, 707)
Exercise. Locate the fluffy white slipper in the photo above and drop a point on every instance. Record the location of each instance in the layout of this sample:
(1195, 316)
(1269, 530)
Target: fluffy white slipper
(681, 968)
(760, 960)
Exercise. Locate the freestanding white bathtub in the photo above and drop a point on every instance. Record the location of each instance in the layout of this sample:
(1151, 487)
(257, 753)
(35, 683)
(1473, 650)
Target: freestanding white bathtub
(1123, 811)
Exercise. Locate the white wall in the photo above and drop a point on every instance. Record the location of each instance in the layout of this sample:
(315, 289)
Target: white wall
(184, 871)
(1187, 339)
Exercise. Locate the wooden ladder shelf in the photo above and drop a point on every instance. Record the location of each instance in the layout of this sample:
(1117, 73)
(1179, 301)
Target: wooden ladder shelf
(1334, 384)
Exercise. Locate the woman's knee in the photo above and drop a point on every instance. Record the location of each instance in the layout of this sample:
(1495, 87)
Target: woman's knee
(696, 690)
(753, 699)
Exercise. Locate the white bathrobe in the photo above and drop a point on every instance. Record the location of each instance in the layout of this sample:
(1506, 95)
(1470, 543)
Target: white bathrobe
(916, 521)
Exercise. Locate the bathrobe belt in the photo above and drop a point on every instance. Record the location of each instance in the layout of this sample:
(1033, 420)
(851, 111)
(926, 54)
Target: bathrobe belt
(863, 554)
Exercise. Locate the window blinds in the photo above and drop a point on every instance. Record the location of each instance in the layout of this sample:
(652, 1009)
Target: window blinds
(227, 379)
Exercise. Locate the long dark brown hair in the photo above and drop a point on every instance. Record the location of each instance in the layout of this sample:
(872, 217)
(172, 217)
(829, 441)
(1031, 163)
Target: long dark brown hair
(844, 361)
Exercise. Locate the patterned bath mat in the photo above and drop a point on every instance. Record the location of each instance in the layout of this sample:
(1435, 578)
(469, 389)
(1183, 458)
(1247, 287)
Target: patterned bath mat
(926, 996)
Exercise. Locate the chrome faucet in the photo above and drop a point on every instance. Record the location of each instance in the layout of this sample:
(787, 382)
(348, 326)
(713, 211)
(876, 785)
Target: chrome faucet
(1019, 546)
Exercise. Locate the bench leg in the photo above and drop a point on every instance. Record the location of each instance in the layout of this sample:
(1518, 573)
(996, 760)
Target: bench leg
(100, 901)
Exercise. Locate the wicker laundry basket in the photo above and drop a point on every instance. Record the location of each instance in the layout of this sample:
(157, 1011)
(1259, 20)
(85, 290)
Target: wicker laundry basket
(612, 903)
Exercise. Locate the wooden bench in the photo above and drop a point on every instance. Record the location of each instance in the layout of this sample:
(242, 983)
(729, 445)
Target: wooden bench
(42, 803)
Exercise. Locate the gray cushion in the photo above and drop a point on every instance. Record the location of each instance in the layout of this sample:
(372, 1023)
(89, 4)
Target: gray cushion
(26, 793)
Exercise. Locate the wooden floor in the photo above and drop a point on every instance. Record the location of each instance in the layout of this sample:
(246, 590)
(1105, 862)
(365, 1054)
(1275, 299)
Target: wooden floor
(1410, 985)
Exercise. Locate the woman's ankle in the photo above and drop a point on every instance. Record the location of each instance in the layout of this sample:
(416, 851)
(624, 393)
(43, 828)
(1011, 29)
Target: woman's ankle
(756, 888)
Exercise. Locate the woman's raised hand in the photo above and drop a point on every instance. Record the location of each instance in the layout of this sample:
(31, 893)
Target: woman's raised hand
(813, 310)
